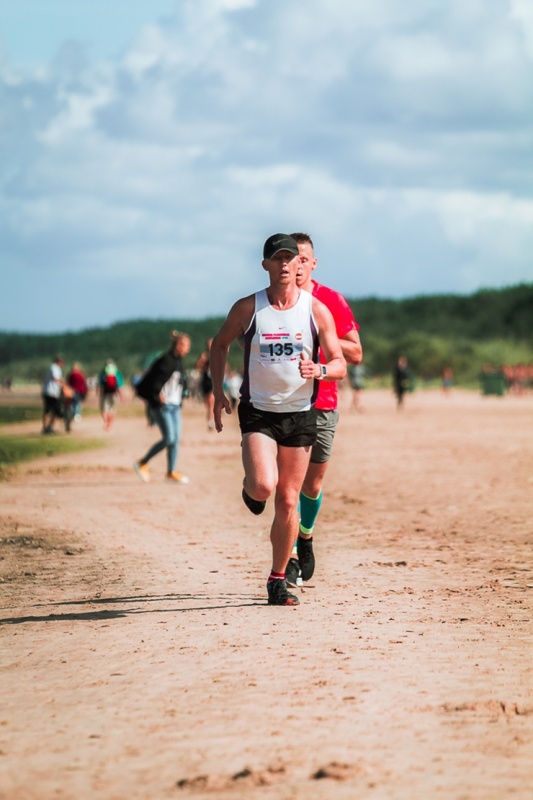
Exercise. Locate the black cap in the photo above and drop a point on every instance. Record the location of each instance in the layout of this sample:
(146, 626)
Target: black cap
(277, 242)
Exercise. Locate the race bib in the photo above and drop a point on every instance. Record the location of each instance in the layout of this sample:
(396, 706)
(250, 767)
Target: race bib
(277, 347)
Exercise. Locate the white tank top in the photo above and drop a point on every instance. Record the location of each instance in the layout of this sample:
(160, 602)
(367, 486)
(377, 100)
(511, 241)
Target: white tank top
(273, 345)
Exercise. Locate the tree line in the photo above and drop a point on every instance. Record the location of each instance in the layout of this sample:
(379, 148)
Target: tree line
(461, 331)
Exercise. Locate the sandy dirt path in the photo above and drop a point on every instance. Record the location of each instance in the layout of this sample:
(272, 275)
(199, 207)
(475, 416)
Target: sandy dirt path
(139, 658)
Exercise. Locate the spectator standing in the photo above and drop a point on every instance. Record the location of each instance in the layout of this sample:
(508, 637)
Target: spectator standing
(51, 394)
(356, 375)
(163, 387)
(78, 383)
(110, 382)
(206, 383)
(401, 380)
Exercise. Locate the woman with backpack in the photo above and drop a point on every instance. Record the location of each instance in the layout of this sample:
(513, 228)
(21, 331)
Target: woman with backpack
(110, 382)
(163, 387)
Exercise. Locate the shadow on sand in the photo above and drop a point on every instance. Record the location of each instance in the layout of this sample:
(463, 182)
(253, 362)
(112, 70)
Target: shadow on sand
(118, 613)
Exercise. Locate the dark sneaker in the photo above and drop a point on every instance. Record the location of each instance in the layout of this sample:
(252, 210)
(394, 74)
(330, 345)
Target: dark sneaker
(292, 573)
(256, 506)
(278, 594)
(306, 557)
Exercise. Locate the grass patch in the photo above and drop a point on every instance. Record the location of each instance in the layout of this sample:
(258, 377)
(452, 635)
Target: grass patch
(14, 449)
(9, 415)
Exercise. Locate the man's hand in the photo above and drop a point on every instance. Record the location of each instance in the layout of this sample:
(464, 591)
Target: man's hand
(221, 402)
(307, 367)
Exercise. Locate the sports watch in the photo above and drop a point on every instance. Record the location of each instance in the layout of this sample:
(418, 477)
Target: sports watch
(323, 372)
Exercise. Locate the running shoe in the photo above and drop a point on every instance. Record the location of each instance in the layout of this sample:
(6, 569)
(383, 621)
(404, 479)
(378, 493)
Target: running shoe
(292, 573)
(278, 595)
(177, 477)
(143, 473)
(256, 506)
(306, 557)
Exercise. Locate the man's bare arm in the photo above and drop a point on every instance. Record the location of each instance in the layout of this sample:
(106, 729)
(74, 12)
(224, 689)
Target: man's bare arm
(352, 348)
(330, 346)
(235, 324)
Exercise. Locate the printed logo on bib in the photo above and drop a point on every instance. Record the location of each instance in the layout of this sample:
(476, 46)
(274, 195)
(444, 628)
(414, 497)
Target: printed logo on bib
(280, 347)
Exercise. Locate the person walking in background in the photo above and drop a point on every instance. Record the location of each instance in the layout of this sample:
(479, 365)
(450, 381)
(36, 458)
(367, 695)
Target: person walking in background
(282, 327)
(51, 394)
(162, 387)
(78, 383)
(206, 383)
(110, 382)
(232, 385)
(447, 381)
(302, 561)
(356, 375)
(401, 380)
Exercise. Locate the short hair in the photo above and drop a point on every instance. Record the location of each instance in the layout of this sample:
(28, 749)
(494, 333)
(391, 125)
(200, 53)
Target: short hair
(177, 336)
(303, 238)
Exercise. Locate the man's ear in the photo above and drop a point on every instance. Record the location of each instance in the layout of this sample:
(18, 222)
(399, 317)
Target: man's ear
(264, 264)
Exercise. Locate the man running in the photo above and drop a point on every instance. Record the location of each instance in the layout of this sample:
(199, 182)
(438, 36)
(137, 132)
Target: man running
(302, 561)
(282, 327)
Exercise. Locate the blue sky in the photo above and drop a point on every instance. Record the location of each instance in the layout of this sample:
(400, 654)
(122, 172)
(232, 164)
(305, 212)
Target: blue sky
(148, 148)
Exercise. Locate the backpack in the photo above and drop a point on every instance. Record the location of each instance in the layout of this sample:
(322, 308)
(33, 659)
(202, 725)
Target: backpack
(110, 383)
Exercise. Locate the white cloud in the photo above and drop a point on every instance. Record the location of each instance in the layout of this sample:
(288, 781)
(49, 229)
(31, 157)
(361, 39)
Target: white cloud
(78, 113)
(395, 154)
(398, 135)
(522, 12)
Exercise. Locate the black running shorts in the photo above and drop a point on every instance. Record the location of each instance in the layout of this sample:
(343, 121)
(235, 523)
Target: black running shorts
(52, 405)
(292, 429)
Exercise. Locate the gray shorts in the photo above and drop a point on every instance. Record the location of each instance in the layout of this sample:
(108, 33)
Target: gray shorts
(326, 424)
(108, 403)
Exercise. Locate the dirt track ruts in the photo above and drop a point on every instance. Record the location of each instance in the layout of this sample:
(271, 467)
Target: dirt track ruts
(139, 658)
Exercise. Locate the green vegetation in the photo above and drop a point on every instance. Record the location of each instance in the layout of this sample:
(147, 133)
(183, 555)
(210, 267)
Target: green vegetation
(464, 332)
(14, 449)
(11, 414)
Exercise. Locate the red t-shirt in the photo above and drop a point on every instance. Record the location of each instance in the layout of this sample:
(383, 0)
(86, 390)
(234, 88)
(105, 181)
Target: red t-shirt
(344, 323)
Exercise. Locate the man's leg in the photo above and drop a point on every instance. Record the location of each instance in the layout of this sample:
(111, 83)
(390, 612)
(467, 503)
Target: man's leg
(292, 465)
(267, 468)
(173, 437)
(312, 485)
(259, 459)
(303, 559)
(46, 418)
(302, 562)
(55, 412)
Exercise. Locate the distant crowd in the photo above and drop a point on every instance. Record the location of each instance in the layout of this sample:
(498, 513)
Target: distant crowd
(64, 394)
(517, 378)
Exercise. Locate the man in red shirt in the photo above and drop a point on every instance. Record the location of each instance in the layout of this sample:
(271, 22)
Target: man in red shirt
(302, 561)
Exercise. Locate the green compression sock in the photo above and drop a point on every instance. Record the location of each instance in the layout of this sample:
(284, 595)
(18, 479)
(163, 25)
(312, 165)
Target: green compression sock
(309, 508)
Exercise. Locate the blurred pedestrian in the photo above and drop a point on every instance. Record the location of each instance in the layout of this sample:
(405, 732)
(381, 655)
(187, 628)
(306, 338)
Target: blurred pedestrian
(163, 387)
(110, 382)
(51, 394)
(78, 383)
(233, 384)
(356, 376)
(206, 383)
(401, 379)
(447, 380)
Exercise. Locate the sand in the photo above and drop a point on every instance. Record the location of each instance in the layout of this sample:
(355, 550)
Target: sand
(139, 658)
